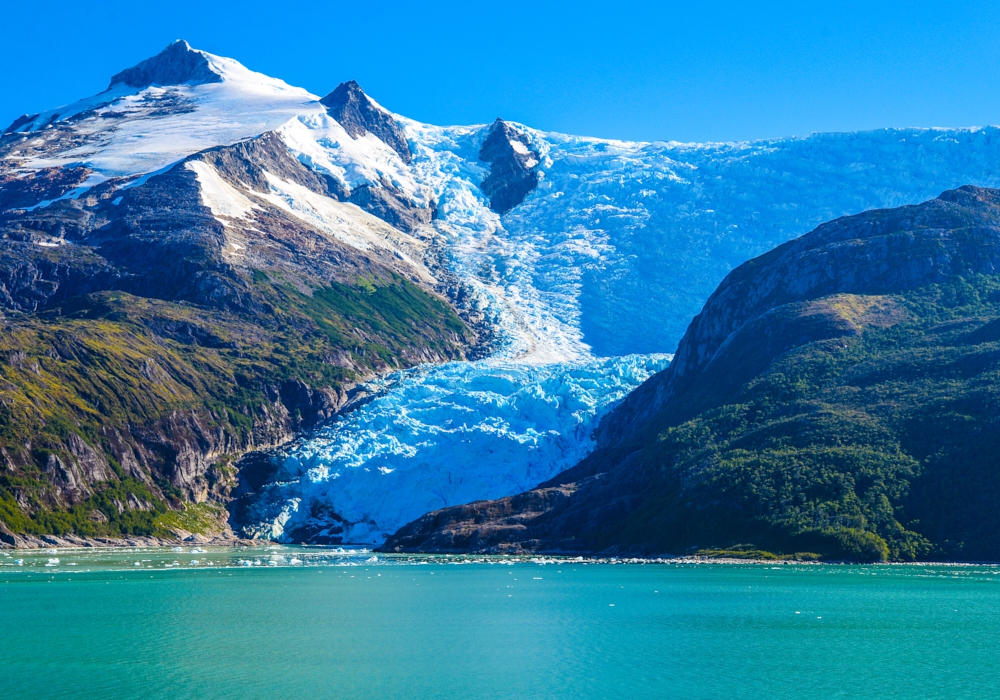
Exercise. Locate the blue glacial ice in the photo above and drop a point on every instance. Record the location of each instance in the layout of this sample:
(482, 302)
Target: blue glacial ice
(611, 255)
(440, 435)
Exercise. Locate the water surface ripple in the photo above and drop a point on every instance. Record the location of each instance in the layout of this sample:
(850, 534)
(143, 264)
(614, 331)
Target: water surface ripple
(327, 623)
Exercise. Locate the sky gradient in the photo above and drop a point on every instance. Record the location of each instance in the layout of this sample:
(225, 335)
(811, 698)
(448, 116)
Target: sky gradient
(632, 70)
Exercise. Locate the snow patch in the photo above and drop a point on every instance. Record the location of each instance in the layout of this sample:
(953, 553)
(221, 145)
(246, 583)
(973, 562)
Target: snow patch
(519, 147)
(218, 195)
(322, 144)
(345, 222)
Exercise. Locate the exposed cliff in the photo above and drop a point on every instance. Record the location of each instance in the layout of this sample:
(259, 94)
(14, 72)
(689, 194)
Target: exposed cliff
(513, 167)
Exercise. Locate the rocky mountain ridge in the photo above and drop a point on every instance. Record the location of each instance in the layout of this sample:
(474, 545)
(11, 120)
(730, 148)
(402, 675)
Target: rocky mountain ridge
(158, 327)
(175, 65)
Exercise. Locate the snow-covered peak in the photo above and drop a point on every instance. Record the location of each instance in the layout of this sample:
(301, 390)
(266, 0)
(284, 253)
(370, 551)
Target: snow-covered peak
(159, 112)
(361, 115)
(177, 64)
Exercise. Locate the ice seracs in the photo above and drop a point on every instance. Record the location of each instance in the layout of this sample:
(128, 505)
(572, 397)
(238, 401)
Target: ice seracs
(439, 435)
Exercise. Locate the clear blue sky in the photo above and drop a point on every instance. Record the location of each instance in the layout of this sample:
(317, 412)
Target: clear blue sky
(634, 70)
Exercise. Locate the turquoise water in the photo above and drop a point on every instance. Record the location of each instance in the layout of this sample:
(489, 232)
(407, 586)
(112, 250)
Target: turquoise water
(336, 625)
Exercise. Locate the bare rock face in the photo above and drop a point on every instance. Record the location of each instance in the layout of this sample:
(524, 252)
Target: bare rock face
(175, 65)
(512, 167)
(354, 111)
(504, 526)
(46, 184)
(392, 206)
(19, 122)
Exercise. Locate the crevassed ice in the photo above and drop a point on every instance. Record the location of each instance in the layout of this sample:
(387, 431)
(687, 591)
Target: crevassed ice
(441, 435)
(614, 253)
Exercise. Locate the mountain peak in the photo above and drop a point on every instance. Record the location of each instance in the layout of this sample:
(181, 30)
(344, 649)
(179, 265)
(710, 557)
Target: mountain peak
(175, 65)
(359, 115)
(513, 166)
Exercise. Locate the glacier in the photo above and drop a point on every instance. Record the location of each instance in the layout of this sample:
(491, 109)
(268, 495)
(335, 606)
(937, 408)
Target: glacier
(610, 257)
(586, 286)
(438, 435)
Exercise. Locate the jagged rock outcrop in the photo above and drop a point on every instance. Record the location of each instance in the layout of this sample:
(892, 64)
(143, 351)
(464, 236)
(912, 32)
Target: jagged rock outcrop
(837, 395)
(513, 165)
(19, 122)
(356, 112)
(175, 65)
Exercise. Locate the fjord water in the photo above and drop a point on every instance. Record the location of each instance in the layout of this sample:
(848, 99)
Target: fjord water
(351, 627)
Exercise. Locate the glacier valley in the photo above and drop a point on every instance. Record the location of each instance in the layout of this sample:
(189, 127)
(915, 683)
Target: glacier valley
(611, 255)
(584, 287)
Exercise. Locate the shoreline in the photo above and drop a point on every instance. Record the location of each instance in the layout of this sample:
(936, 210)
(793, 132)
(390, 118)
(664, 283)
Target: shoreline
(30, 543)
(12, 542)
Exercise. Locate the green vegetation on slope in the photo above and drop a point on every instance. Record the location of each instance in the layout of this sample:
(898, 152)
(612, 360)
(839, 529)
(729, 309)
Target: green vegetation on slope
(885, 445)
(109, 368)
